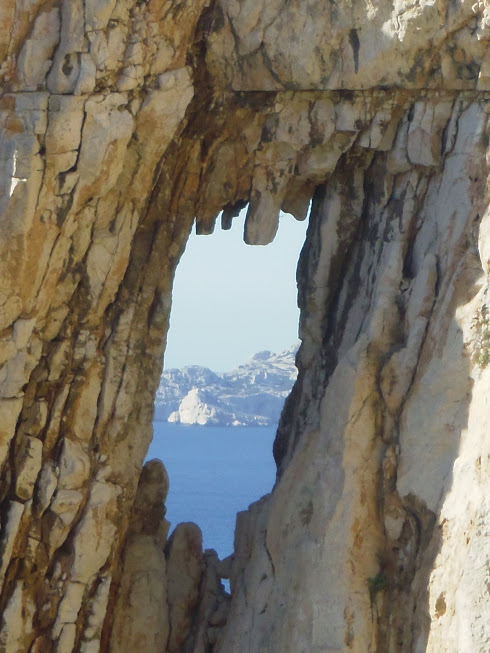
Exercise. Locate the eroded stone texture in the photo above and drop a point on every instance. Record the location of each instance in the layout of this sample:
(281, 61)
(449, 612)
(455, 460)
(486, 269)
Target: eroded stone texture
(120, 123)
(368, 464)
(185, 568)
(141, 611)
(351, 45)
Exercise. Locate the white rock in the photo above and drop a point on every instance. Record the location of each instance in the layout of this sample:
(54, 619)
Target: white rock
(193, 411)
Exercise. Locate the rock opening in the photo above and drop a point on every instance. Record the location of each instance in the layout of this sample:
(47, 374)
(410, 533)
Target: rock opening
(120, 123)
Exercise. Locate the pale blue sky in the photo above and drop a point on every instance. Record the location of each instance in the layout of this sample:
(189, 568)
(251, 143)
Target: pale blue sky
(232, 300)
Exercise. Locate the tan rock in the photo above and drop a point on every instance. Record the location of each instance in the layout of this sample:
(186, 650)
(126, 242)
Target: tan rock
(142, 620)
(28, 465)
(74, 465)
(122, 122)
(96, 616)
(96, 528)
(142, 614)
(184, 570)
(9, 413)
(35, 57)
(63, 508)
(16, 630)
(10, 526)
(47, 482)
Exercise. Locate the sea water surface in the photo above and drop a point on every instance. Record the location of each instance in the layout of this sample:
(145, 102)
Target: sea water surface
(214, 473)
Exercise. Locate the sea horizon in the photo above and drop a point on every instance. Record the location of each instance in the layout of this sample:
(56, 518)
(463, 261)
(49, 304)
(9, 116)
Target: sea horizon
(214, 472)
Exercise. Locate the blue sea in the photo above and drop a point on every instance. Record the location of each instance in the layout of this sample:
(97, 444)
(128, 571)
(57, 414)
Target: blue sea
(214, 473)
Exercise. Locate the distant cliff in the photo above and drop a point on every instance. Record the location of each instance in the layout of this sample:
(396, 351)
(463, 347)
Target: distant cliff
(251, 395)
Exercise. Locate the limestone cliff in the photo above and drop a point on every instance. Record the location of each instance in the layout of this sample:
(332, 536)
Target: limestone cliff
(120, 122)
(252, 394)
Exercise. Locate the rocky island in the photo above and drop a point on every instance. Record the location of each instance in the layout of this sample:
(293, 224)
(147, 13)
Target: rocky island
(123, 123)
(251, 395)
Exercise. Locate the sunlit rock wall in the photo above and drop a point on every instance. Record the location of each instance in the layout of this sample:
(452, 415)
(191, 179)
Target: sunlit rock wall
(374, 537)
(121, 122)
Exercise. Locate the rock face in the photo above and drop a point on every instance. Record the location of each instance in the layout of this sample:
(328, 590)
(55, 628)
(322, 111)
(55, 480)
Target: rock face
(141, 619)
(120, 122)
(251, 395)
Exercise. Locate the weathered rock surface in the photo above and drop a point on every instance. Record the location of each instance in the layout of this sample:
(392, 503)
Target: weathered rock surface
(141, 611)
(120, 122)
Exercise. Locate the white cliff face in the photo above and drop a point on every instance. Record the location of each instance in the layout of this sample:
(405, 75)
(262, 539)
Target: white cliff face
(251, 395)
(192, 410)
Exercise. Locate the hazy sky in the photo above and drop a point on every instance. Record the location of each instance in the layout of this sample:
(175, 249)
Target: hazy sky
(232, 300)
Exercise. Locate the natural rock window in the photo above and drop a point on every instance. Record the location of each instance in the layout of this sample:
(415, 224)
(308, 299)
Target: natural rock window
(230, 301)
(121, 123)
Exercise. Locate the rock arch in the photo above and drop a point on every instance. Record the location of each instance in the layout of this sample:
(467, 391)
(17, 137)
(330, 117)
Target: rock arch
(121, 122)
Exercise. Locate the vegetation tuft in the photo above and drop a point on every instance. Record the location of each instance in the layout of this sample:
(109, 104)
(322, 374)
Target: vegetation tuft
(376, 585)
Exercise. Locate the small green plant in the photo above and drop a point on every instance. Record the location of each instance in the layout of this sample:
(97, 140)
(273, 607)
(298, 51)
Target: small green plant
(483, 358)
(376, 585)
(481, 341)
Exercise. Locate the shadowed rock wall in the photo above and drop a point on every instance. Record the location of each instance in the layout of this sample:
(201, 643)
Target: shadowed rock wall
(121, 122)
